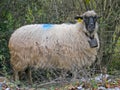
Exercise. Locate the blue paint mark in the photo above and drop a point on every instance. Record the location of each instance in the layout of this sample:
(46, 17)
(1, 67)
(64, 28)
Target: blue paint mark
(47, 26)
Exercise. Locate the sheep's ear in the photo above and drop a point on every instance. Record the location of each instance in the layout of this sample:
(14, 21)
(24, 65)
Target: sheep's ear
(78, 17)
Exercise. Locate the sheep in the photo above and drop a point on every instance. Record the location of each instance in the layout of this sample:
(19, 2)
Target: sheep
(60, 46)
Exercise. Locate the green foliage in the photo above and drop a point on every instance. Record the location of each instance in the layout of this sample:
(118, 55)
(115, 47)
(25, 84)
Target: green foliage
(29, 15)
(87, 1)
(6, 28)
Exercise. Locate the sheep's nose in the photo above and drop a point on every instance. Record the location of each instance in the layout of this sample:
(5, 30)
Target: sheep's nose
(92, 26)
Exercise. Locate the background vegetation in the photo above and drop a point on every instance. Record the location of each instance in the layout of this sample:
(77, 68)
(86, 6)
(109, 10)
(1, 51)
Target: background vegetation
(16, 13)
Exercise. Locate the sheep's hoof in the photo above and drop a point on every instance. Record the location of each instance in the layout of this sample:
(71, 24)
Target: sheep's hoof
(93, 43)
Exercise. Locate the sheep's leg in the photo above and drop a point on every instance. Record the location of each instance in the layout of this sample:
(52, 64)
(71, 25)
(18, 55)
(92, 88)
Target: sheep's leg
(74, 75)
(16, 76)
(29, 75)
(63, 74)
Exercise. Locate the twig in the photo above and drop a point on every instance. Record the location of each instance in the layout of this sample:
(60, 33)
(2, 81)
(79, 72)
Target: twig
(51, 82)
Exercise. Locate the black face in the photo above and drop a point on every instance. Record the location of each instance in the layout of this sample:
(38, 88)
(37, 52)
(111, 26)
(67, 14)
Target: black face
(90, 23)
